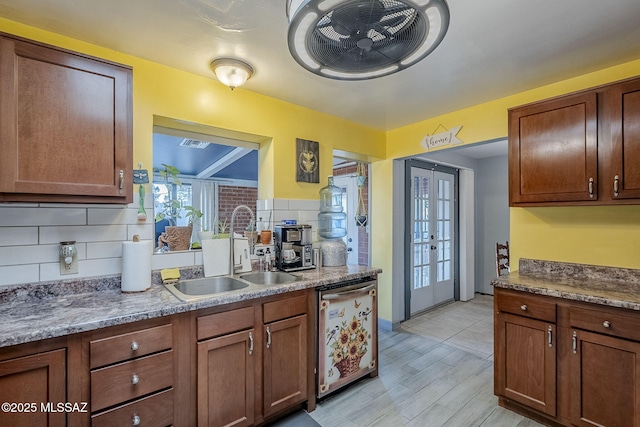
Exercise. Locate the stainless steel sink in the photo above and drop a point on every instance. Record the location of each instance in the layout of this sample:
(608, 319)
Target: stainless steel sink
(269, 278)
(189, 290)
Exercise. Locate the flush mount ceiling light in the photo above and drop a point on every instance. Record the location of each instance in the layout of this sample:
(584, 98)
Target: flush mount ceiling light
(364, 39)
(231, 72)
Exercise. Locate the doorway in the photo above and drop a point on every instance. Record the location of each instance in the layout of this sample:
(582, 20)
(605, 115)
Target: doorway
(431, 228)
(353, 177)
(347, 183)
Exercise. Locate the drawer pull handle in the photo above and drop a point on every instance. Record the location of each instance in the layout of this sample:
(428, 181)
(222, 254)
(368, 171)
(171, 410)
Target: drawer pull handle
(135, 379)
(591, 188)
(616, 186)
(134, 346)
(135, 420)
(574, 342)
(121, 186)
(268, 337)
(523, 307)
(606, 324)
(250, 343)
(550, 336)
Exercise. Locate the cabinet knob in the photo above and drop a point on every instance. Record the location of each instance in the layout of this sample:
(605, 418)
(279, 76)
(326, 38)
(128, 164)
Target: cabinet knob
(616, 186)
(591, 187)
(523, 307)
(606, 324)
(135, 379)
(135, 420)
(134, 346)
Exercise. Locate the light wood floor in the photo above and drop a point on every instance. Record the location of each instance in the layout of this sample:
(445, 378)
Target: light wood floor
(436, 371)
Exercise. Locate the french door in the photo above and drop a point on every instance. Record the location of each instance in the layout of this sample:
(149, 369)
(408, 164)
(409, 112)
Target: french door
(431, 238)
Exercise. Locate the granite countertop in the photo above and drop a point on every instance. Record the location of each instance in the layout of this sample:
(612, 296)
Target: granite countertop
(46, 310)
(611, 286)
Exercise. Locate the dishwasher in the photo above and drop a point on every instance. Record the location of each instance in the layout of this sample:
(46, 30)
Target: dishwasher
(347, 333)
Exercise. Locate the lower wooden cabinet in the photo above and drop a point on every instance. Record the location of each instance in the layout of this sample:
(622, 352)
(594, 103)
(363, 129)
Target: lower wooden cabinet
(27, 383)
(253, 361)
(226, 380)
(241, 364)
(526, 362)
(285, 364)
(584, 370)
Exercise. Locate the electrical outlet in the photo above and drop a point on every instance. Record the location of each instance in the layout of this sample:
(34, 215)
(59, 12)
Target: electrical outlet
(69, 268)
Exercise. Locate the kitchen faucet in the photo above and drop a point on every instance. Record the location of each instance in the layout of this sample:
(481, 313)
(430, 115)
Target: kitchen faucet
(232, 264)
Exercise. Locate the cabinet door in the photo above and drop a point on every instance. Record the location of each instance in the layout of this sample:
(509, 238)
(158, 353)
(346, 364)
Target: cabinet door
(553, 151)
(226, 380)
(624, 120)
(65, 126)
(605, 381)
(34, 380)
(525, 362)
(285, 364)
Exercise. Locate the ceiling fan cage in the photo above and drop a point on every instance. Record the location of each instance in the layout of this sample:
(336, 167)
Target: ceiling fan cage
(362, 39)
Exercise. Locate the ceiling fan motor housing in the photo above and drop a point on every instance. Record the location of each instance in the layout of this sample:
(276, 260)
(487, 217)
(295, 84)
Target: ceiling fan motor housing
(364, 39)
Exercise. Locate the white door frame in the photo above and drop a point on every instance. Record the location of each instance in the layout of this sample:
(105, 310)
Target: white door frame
(466, 234)
(432, 238)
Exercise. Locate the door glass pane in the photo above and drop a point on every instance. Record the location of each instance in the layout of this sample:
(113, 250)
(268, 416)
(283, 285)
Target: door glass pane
(425, 276)
(416, 277)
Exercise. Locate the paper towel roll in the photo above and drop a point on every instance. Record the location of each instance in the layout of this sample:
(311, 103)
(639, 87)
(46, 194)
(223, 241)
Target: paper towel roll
(136, 266)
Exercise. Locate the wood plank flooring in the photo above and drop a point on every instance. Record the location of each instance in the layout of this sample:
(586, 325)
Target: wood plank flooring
(436, 371)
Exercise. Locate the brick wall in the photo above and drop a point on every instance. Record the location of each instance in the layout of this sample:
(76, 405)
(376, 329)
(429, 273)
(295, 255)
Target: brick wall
(231, 196)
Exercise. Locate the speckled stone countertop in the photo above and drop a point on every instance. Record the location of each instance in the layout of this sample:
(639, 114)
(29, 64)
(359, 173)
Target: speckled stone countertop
(46, 310)
(612, 286)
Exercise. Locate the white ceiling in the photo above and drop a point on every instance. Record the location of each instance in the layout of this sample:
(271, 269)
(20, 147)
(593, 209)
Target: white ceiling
(493, 48)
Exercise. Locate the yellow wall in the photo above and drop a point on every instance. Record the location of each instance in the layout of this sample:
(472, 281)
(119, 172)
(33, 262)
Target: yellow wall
(597, 235)
(590, 235)
(163, 91)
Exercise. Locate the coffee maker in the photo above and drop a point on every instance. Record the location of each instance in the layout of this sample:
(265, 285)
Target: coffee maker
(293, 247)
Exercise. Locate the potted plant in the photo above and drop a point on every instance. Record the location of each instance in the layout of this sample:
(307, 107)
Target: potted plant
(178, 238)
(223, 224)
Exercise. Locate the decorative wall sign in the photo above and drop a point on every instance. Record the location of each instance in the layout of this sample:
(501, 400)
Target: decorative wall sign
(448, 137)
(307, 160)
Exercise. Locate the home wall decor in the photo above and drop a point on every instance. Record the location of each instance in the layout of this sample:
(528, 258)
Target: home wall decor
(308, 161)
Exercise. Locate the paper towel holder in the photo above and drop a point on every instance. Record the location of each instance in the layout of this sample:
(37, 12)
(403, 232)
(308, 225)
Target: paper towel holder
(68, 257)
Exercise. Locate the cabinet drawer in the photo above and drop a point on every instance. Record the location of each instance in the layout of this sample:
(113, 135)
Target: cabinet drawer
(127, 346)
(225, 323)
(527, 305)
(604, 322)
(152, 411)
(285, 308)
(126, 381)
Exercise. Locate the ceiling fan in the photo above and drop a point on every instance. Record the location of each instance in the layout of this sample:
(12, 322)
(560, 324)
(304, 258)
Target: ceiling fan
(364, 39)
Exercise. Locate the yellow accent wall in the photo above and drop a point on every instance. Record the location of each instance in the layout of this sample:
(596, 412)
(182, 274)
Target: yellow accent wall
(607, 235)
(159, 90)
(595, 235)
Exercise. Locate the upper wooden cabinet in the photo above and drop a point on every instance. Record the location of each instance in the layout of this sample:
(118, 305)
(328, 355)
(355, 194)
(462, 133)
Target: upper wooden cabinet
(579, 149)
(623, 107)
(65, 126)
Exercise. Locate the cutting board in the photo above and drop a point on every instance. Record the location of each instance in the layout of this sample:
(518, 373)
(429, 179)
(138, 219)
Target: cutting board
(215, 257)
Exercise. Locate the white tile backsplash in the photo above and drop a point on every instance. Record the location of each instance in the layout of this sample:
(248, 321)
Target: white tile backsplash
(25, 273)
(30, 234)
(88, 233)
(11, 236)
(28, 216)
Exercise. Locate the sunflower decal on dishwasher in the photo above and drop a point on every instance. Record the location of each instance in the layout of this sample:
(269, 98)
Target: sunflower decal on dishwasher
(349, 342)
